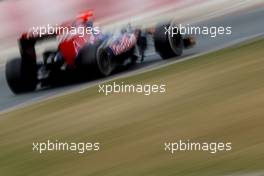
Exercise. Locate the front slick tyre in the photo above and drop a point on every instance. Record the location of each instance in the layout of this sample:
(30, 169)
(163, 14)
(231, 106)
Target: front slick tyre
(166, 45)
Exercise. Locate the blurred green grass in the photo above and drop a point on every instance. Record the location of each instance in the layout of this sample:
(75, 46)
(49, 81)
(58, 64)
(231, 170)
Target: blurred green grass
(216, 97)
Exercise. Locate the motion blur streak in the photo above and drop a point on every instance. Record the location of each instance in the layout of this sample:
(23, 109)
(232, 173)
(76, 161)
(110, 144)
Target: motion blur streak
(23, 14)
(247, 22)
(20, 15)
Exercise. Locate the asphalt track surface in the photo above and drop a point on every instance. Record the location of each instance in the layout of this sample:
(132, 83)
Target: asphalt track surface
(244, 24)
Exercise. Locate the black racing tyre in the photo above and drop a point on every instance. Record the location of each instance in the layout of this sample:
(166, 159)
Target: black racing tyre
(105, 61)
(166, 44)
(95, 61)
(21, 75)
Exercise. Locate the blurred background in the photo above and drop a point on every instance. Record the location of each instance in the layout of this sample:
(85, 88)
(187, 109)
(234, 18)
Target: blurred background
(216, 97)
(20, 15)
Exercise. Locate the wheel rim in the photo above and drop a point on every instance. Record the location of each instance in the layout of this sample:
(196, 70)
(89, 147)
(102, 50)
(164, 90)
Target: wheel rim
(176, 43)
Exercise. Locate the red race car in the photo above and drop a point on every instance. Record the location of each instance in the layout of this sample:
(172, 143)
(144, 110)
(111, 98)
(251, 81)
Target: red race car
(84, 51)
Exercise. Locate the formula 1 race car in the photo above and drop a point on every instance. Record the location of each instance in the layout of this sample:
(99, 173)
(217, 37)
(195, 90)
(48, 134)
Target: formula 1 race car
(88, 54)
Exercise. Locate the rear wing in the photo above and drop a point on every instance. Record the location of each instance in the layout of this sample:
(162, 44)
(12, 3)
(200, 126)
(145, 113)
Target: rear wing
(27, 42)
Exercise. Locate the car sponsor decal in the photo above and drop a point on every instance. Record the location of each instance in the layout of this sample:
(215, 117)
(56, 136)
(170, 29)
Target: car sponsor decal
(125, 43)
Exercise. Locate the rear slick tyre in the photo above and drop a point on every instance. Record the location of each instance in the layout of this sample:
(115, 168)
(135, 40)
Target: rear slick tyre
(21, 76)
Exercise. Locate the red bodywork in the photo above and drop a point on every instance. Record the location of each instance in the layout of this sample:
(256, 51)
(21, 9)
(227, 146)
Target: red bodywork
(69, 43)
